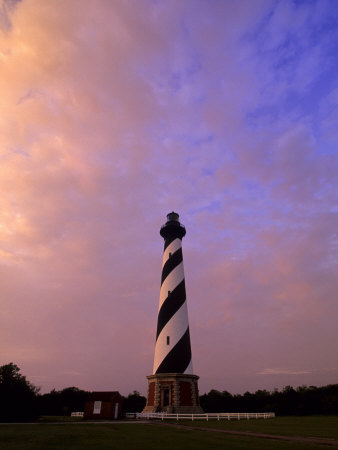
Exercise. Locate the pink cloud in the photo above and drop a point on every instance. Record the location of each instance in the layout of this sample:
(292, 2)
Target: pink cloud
(111, 117)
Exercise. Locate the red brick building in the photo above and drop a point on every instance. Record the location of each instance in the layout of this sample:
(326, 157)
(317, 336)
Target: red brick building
(103, 406)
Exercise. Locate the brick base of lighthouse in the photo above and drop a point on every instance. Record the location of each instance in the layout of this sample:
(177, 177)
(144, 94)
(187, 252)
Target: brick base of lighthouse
(173, 393)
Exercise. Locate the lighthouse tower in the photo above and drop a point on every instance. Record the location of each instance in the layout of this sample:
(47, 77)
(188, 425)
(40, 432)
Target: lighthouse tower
(172, 387)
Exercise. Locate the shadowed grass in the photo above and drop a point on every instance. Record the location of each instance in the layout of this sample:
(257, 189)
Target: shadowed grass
(53, 419)
(309, 426)
(128, 436)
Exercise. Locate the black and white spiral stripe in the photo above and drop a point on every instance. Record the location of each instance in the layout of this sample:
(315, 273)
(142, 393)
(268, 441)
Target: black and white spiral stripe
(172, 350)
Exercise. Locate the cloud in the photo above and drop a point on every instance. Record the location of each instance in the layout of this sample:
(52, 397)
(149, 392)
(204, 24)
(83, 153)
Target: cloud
(283, 372)
(111, 117)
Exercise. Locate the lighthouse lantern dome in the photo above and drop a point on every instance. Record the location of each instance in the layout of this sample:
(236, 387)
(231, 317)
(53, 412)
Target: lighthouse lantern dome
(172, 229)
(172, 217)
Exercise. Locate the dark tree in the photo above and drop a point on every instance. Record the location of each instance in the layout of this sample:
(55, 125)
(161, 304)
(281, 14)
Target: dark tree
(301, 401)
(134, 402)
(62, 403)
(216, 401)
(18, 397)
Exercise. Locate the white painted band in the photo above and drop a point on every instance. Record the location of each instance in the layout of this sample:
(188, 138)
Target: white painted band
(173, 279)
(175, 329)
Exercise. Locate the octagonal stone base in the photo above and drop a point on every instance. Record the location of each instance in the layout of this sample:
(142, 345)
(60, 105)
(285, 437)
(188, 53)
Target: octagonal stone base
(173, 393)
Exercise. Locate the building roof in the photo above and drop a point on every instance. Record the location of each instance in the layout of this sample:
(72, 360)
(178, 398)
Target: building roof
(105, 396)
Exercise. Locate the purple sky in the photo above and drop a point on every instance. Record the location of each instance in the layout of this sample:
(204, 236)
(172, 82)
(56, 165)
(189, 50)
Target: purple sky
(114, 113)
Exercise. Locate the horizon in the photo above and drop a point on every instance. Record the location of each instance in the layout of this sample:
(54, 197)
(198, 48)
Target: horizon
(113, 116)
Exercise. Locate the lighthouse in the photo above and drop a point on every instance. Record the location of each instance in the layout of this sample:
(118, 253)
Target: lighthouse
(172, 387)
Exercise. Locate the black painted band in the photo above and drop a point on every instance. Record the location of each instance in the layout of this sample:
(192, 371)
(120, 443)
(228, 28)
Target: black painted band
(174, 260)
(170, 306)
(168, 241)
(179, 357)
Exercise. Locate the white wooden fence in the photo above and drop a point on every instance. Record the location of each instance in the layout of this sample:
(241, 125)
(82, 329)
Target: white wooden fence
(207, 416)
(77, 414)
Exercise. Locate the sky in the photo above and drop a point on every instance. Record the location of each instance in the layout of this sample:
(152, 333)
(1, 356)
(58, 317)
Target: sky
(113, 114)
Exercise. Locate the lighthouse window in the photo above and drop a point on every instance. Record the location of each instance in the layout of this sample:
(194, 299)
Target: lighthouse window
(169, 255)
(168, 340)
(169, 292)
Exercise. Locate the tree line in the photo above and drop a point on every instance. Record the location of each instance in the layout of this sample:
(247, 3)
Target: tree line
(21, 401)
(302, 401)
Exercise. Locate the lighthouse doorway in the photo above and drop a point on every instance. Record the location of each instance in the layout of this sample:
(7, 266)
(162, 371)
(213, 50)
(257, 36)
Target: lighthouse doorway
(166, 397)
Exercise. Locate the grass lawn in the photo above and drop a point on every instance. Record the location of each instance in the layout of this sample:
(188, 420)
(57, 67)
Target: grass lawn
(53, 419)
(82, 436)
(309, 426)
